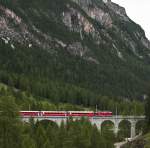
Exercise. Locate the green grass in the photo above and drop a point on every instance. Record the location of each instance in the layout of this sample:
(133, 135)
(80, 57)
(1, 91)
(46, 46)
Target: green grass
(147, 140)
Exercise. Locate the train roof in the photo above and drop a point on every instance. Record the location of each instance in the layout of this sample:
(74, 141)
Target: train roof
(67, 111)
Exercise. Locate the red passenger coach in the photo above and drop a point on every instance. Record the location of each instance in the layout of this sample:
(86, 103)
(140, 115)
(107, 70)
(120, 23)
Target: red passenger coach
(29, 113)
(65, 113)
(54, 113)
(104, 114)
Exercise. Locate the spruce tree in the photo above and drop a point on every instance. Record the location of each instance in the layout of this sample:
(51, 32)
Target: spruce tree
(10, 126)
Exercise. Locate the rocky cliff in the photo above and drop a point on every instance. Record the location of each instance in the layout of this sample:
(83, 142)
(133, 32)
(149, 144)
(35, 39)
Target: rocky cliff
(97, 45)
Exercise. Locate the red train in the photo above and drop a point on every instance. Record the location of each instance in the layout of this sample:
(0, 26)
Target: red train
(65, 113)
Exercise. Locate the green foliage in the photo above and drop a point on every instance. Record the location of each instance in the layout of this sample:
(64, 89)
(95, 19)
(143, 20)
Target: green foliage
(47, 73)
(73, 134)
(147, 140)
(26, 101)
(28, 142)
(10, 131)
(147, 112)
(59, 81)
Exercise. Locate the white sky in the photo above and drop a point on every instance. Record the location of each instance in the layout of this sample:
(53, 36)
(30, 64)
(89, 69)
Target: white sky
(138, 11)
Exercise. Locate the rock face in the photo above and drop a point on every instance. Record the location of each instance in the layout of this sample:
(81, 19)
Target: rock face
(77, 22)
(102, 12)
(97, 32)
(95, 13)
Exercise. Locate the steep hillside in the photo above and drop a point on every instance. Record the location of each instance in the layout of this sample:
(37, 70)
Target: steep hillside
(71, 50)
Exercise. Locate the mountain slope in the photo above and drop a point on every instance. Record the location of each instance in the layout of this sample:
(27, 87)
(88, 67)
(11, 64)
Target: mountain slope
(69, 48)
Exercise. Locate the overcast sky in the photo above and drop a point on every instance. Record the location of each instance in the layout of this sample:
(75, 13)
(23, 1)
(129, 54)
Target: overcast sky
(138, 11)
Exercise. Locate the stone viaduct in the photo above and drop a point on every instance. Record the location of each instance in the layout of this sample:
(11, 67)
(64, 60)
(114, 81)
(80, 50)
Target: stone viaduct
(95, 121)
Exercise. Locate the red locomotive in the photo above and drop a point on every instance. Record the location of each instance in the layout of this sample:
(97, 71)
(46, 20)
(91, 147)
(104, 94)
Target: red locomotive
(65, 113)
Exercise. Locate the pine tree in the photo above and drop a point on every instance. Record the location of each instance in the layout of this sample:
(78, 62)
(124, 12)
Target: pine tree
(147, 110)
(62, 133)
(40, 136)
(10, 127)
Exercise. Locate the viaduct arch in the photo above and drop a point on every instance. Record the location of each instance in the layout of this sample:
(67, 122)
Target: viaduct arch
(95, 120)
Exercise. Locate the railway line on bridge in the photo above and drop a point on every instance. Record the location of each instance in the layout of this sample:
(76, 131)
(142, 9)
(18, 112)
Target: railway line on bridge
(95, 119)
